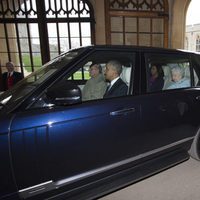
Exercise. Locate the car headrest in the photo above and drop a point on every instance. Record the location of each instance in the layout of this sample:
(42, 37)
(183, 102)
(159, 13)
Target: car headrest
(167, 72)
(126, 75)
(187, 72)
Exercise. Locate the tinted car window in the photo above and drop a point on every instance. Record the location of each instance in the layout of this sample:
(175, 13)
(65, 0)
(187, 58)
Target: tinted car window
(165, 72)
(30, 83)
(79, 74)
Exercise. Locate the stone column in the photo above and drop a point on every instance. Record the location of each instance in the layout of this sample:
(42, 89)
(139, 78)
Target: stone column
(179, 11)
(99, 13)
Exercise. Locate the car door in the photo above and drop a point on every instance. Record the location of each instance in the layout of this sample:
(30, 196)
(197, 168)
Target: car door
(167, 113)
(7, 184)
(65, 145)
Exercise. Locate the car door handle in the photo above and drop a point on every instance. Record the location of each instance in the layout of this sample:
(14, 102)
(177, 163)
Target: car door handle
(122, 112)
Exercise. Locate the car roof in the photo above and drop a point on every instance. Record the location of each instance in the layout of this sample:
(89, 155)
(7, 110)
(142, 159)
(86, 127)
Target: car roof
(140, 48)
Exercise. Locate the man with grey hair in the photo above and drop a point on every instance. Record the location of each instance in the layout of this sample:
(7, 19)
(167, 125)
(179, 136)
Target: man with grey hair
(112, 74)
(178, 78)
(11, 77)
(95, 87)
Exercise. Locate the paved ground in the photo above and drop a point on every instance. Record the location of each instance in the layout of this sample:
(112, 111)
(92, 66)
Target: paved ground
(181, 182)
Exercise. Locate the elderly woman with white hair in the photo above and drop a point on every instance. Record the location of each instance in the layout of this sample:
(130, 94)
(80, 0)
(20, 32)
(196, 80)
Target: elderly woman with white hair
(178, 78)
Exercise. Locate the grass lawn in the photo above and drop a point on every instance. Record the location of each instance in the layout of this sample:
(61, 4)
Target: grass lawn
(27, 62)
(38, 63)
(78, 75)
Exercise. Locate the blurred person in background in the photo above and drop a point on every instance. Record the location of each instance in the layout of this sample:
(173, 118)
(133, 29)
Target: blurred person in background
(10, 77)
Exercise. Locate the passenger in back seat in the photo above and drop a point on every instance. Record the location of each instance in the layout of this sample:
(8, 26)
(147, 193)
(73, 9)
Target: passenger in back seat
(156, 80)
(178, 78)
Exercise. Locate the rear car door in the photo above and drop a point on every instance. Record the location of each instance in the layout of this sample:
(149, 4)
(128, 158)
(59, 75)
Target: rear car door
(168, 112)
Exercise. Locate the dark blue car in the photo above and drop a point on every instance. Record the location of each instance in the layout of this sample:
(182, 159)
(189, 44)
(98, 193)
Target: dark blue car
(54, 145)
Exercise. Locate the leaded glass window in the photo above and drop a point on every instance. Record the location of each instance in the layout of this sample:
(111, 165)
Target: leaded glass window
(137, 22)
(34, 31)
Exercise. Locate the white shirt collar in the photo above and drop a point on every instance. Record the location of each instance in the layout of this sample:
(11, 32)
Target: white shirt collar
(11, 73)
(113, 81)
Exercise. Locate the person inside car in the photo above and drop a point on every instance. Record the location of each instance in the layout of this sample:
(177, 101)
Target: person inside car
(178, 78)
(156, 80)
(112, 74)
(96, 86)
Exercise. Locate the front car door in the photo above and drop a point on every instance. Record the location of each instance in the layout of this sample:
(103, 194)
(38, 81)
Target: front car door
(72, 145)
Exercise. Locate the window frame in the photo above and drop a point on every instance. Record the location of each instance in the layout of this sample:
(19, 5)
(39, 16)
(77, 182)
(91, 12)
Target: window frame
(34, 12)
(167, 55)
(195, 59)
(78, 65)
(138, 13)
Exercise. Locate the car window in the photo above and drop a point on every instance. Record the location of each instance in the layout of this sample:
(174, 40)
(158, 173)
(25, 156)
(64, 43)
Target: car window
(94, 87)
(167, 72)
(82, 73)
(21, 90)
(90, 76)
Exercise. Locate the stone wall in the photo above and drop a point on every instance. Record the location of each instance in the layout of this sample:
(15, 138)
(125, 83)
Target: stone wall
(177, 22)
(192, 37)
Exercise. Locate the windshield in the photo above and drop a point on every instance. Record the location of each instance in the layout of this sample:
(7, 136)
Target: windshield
(31, 82)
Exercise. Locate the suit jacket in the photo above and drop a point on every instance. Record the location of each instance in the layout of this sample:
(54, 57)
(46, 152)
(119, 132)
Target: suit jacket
(17, 76)
(118, 89)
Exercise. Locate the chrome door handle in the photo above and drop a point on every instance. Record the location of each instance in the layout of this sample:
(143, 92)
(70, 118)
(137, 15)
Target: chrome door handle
(122, 112)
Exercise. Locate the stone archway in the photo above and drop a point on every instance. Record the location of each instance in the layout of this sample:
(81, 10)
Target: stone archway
(178, 23)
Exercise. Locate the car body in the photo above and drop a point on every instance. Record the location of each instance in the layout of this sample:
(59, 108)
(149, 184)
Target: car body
(54, 145)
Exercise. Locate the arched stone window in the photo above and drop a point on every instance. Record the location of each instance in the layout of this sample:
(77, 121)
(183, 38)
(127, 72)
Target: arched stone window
(34, 31)
(137, 22)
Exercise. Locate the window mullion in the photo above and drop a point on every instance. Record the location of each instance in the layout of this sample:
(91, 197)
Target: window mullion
(57, 29)
(68, 25)
(79, 24)
(19, 48)
(7, 41)
(43, 32)
(30, 47)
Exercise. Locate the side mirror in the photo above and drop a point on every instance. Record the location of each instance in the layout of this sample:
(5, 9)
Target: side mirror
(64, 93)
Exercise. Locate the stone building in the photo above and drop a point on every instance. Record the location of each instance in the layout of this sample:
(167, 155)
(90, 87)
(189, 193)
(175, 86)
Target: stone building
(192, 37)
(34, 31)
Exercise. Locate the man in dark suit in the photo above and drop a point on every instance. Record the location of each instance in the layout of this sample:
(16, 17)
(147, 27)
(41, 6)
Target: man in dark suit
(11, 77)
(117, 87)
